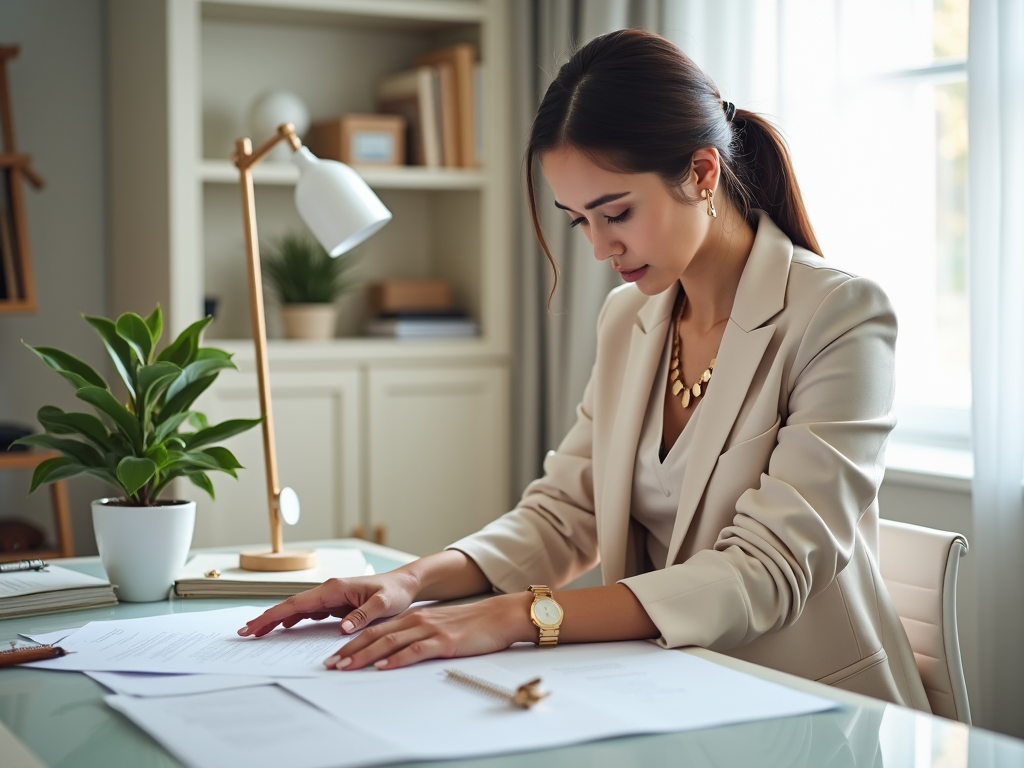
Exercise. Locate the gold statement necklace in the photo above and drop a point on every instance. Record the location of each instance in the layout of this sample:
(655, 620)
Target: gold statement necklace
(687, 394)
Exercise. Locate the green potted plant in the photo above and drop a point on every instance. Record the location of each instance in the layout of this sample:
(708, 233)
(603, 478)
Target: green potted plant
(306, 282)
(139, 446)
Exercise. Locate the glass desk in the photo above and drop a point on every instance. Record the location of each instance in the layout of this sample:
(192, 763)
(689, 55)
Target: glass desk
(62, 719)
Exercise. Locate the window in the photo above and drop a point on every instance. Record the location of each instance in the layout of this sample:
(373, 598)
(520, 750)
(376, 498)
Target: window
(872, 97)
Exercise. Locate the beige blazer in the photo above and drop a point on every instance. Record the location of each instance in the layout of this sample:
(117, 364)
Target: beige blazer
(773, 556)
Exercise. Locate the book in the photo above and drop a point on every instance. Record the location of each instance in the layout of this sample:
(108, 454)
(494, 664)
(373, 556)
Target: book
(413, 95)
(196, 579)
(425, 327)
(56, 589)
(448, 114)
(461, 58)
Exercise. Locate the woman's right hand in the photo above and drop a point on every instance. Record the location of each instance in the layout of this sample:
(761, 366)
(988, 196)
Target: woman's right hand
(356, 601)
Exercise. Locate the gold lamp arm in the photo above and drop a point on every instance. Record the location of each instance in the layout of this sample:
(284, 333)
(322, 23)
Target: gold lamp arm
(278, 559)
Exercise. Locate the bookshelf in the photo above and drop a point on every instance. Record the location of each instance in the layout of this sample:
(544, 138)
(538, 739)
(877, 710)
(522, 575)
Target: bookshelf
(408, 436)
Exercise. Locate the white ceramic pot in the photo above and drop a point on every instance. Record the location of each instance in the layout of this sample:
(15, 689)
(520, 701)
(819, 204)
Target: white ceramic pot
(143, 548)
(309, 321)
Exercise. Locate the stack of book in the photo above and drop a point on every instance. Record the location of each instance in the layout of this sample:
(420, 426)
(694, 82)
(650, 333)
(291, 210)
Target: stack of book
(51, 590)
(417, 309)
(441, 102)
(218, 575)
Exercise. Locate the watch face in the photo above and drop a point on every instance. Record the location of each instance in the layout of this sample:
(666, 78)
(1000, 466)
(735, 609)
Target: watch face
(547, 611)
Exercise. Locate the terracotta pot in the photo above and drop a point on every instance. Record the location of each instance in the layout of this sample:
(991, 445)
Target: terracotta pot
(143, 548)
(309, 321)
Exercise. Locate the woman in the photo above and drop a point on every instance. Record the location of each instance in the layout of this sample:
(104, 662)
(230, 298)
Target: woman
(725, 462)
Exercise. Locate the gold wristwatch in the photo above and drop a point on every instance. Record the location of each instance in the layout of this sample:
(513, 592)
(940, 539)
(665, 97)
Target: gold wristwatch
(546, 614)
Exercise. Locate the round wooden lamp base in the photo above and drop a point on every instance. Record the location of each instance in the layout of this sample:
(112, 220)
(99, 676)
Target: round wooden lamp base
(287, 560)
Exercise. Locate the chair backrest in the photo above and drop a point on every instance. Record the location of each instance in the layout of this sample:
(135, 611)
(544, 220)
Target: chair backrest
(919, 568)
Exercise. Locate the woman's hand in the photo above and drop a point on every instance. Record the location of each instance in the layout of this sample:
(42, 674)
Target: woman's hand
(429, 633)
(357, 601)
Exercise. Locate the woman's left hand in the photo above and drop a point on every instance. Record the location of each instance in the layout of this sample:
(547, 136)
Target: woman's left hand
(447, 632)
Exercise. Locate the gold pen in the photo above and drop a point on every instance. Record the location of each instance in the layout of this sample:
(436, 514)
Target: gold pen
(525, 696)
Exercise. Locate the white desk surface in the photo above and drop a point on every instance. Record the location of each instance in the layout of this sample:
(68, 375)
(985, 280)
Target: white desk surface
(59, 719)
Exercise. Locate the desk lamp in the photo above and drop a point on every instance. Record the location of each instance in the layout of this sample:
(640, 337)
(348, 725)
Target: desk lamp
(341, 211)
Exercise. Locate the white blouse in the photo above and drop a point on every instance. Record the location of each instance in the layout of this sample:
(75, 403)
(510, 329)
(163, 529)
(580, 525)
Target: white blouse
(656, 483)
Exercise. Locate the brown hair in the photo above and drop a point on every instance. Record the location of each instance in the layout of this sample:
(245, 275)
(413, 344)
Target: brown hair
(636, 103)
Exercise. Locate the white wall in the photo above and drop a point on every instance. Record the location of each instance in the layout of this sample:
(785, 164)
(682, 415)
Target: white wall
(58, 92)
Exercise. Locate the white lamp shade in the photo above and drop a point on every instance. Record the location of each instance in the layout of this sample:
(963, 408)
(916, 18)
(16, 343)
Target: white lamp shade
(336, 204)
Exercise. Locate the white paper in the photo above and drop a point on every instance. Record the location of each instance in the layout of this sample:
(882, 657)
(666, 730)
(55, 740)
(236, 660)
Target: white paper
(597, 691)
(146, 684)
(256, 727)
(199, 642)
(18, 583)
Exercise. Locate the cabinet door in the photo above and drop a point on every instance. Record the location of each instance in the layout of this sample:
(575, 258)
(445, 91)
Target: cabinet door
(318, 432)
(438, 453)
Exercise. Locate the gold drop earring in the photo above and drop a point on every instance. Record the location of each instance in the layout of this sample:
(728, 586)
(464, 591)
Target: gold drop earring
(709, 195)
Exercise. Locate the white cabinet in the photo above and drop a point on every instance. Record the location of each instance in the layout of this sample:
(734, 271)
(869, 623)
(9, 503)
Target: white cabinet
(318, 420)
(438, 453)
(411, 436)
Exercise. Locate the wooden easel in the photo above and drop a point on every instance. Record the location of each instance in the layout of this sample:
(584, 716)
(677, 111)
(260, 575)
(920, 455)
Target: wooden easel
(17, 284)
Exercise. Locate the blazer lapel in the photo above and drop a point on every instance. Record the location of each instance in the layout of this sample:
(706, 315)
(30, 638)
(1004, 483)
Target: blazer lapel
(760, 295)
(645, 348)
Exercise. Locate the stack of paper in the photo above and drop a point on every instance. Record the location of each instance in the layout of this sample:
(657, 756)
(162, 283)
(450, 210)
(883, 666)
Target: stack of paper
(218, 575)
(28, 593)
(330, 719)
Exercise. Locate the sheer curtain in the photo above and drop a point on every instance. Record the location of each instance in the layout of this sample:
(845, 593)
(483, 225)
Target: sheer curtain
(996, 114)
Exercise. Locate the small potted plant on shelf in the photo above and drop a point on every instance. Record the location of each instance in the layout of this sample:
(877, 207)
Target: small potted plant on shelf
(140, 446)
(307, 281)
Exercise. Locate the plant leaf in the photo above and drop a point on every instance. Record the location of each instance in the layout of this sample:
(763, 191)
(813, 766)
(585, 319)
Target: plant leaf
(212, 353)
(52, 470)
(198, 370)
(219, 432)
(133, 329)
(153, 380)
(202, 480)
(118, 350)
(81, 453)
(158, 453)
(198, 420)
(79, 373)
(104, 402)
(155, 323)
(134, 473)
(167, 427)
(225, 459)
(57, 422)
(182, 350)
(184, 399)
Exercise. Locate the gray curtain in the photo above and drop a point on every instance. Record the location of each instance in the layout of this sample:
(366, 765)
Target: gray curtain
(554, 351)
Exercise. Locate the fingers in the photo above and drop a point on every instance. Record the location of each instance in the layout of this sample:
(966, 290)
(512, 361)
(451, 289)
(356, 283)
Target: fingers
(320, 600)
(388, 647)
(377, 607)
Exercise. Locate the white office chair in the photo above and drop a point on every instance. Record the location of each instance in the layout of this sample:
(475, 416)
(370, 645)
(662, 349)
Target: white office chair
(919, 567)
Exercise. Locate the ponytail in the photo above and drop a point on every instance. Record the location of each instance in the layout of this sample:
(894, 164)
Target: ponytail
(763, 178)
(637, 104)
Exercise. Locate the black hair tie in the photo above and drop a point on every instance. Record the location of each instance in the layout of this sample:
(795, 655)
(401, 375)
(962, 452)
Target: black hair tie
(730, 110)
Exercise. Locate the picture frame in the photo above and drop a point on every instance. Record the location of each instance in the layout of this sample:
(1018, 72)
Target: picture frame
(377, 140)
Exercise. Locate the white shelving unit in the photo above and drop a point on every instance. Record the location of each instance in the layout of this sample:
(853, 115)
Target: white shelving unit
(409, 435)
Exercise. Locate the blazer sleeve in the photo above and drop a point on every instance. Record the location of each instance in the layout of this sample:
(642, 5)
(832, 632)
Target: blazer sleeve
(551, 535)
(792, 535)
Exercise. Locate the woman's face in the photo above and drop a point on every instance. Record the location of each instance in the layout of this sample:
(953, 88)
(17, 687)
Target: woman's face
(631, 219)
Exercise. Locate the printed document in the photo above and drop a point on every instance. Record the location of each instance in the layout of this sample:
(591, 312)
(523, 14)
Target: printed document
(146, 684)
(199, 642)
